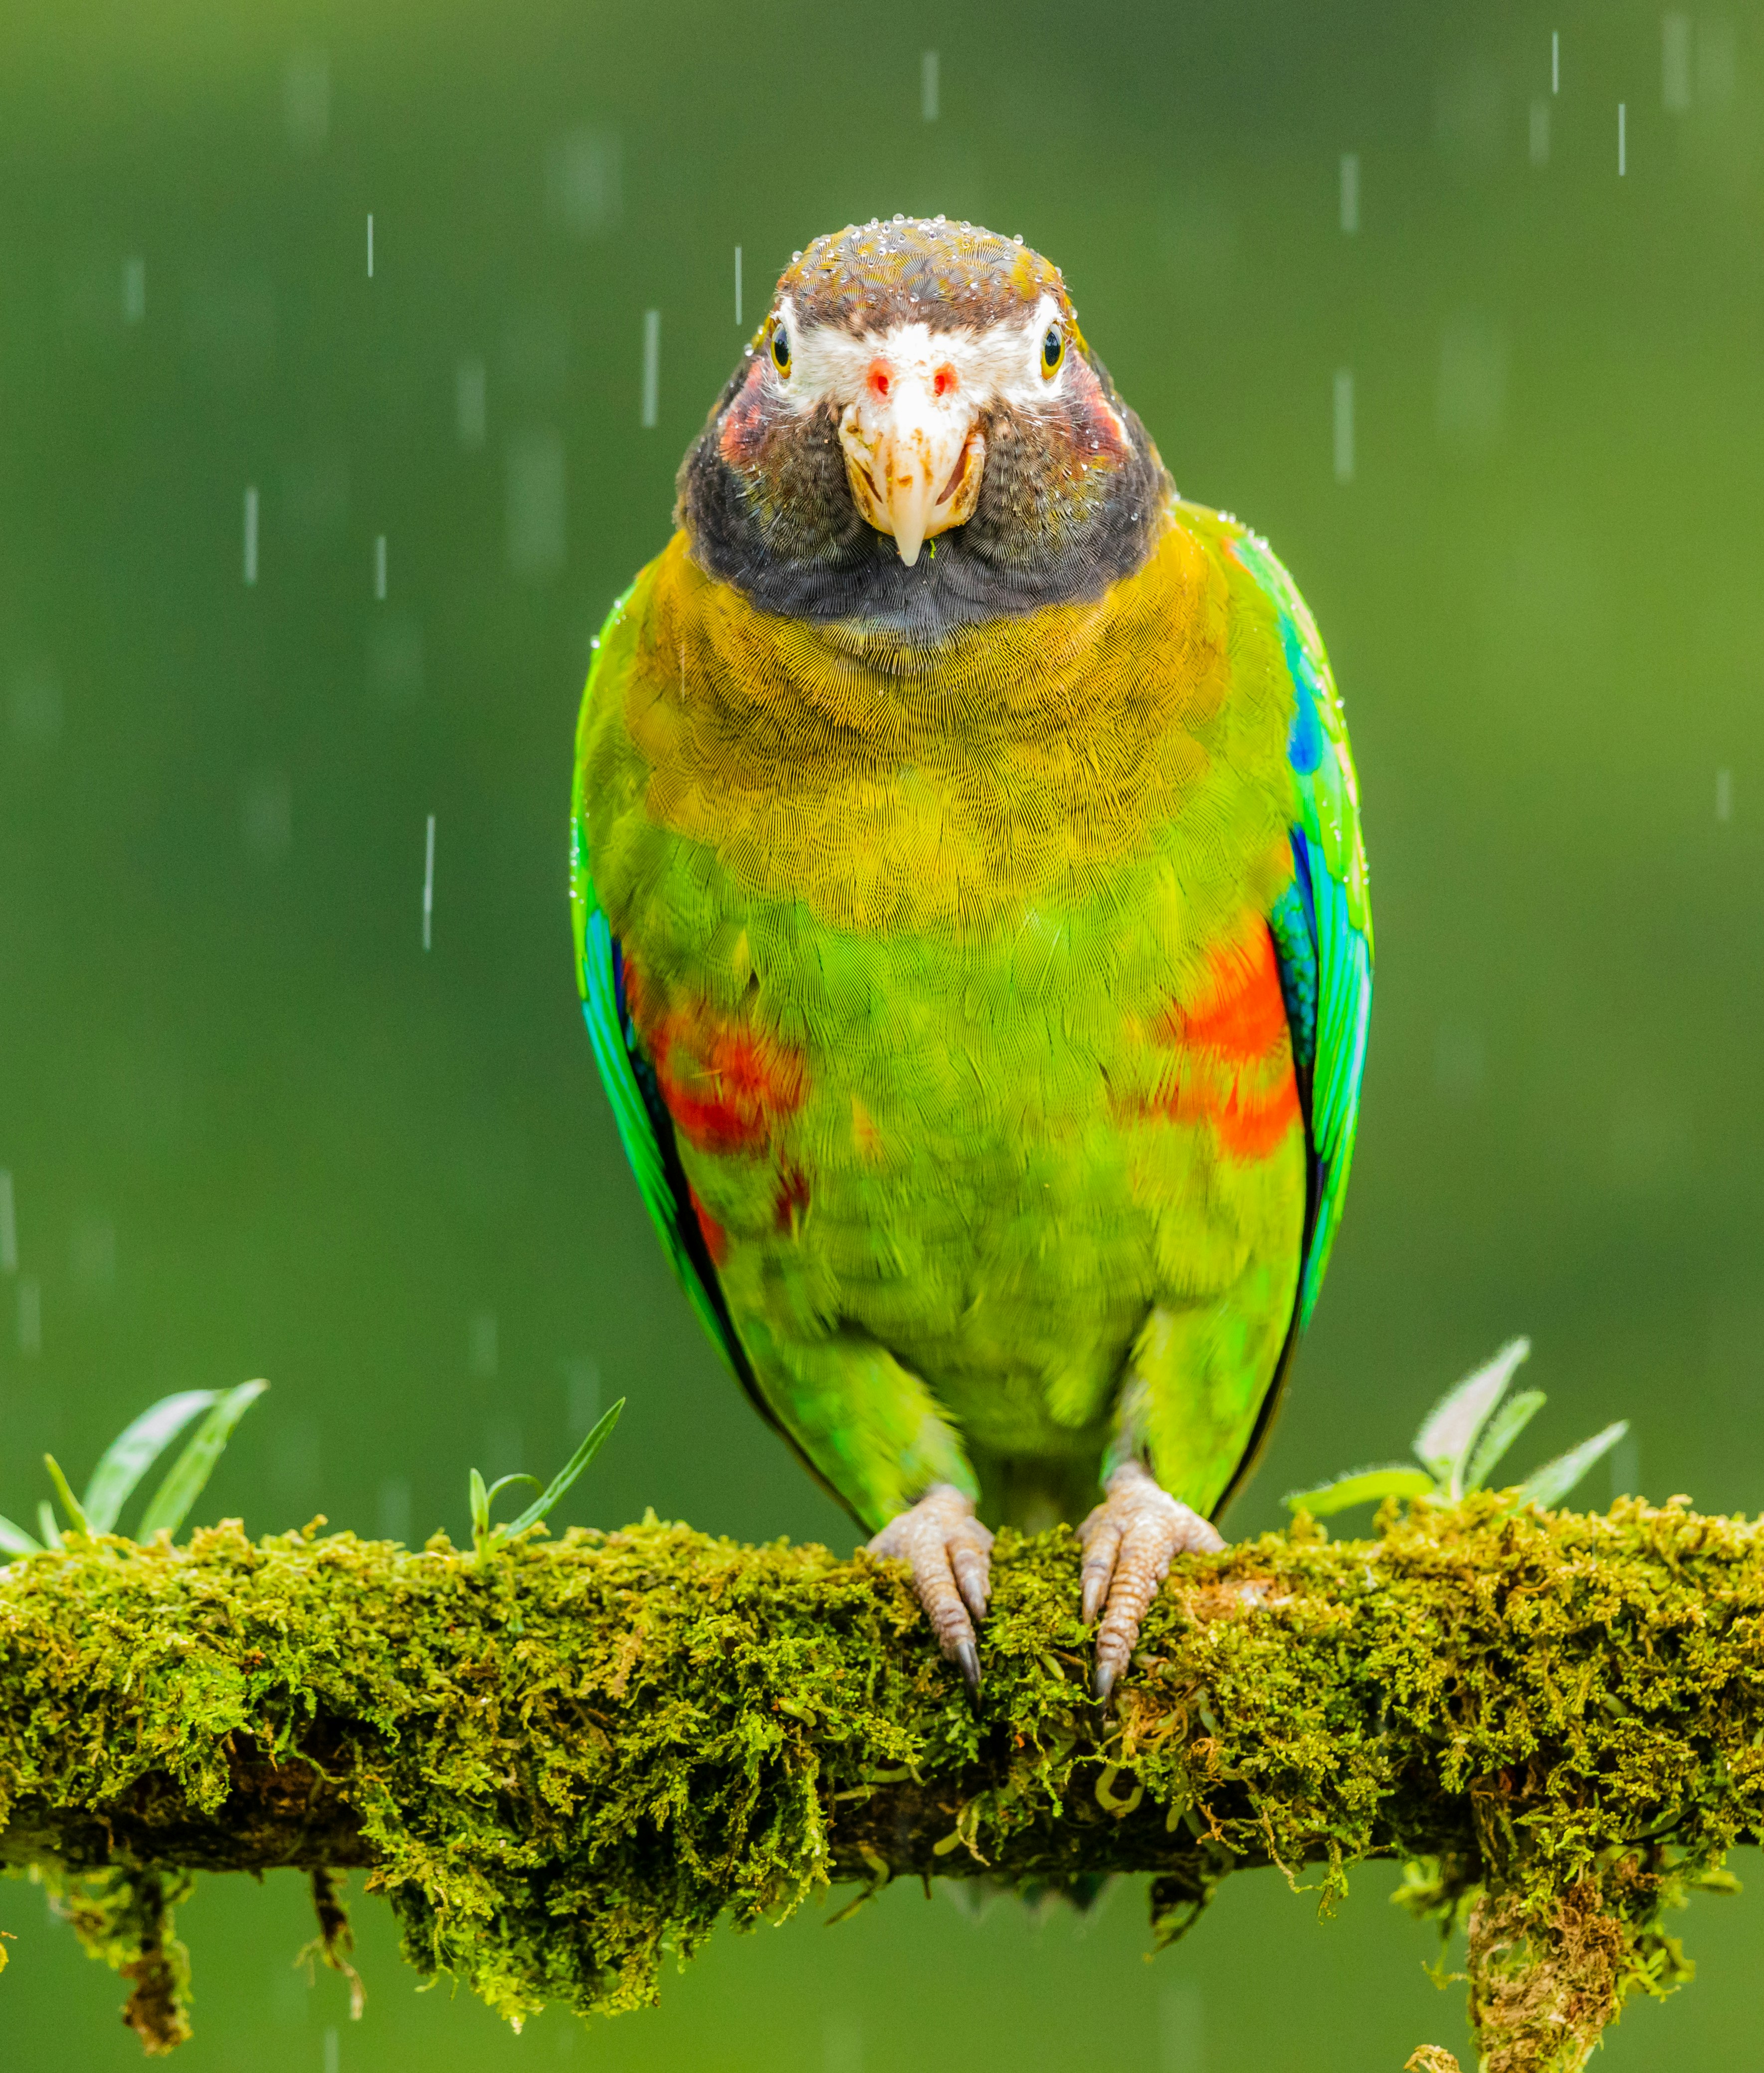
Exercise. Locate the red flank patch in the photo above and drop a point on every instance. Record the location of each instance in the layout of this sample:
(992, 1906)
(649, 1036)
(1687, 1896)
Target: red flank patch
(1235, 1069)
(727, 1085)
(1244, 1016)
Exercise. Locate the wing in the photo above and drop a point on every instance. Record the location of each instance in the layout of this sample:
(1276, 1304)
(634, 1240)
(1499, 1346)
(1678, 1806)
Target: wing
(645, 1128)
(1322, 923)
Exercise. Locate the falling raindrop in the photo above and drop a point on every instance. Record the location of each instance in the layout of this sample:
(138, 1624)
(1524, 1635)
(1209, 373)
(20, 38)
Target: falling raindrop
(1182, 2030)
(306, 99)
(503, 1444)
(582, 1395)
(470, 415)
(295, 1470)
(1344, 424)
(34, 705)
(536, 503)
(481, 1353)
(582, 181)
(428, 885)
(31, 1317)
(93, 1255)
(842, 2047)
(393, 1509)
(652, 368)
(267, 816)
(1675, 63)
(1459, 1061)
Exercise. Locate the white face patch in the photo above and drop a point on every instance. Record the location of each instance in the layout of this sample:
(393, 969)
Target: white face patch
(1001, 364)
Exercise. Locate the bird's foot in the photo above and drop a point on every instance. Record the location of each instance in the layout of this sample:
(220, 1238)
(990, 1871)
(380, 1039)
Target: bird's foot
(1129, 1541)
(951, 1554)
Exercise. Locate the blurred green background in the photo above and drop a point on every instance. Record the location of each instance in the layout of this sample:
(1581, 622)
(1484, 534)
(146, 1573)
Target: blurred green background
(1496, 403)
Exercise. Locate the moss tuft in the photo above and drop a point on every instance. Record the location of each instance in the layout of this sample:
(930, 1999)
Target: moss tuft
(123, 1915)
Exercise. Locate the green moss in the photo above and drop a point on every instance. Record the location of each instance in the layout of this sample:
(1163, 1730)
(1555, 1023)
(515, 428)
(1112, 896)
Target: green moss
(567, 1767)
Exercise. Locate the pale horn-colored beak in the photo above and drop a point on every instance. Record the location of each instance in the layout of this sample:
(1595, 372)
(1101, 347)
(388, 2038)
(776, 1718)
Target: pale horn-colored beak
(914, 453)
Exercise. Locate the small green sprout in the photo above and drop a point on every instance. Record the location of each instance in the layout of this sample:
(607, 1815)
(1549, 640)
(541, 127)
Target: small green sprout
(128, 1458)
(1461, 1442)
(485, 1537)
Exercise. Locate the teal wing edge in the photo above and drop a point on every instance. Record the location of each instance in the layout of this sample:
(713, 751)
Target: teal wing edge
(645, 1130)
(1322, 923)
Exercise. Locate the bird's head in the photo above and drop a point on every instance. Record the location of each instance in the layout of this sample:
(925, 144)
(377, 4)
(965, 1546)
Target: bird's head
(919, 433)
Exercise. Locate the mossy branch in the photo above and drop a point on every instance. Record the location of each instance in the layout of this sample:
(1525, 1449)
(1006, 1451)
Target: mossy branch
(565, 1763)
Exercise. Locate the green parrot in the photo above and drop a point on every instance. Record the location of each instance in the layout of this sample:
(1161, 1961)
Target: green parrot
(972, 923)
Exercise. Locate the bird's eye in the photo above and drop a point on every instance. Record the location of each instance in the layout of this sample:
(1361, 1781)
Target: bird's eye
(780, 349)
(1052, 350)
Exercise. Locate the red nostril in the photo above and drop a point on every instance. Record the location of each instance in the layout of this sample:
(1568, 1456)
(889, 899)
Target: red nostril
(880, 383)
(944, 380)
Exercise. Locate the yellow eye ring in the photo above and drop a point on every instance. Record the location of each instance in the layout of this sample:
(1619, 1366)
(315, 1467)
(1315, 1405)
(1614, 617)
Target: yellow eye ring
(780, 349)
(1053, 352)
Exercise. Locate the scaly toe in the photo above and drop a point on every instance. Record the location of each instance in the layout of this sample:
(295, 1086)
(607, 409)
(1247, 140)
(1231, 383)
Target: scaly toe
(950, 1552)
(1129, 1541)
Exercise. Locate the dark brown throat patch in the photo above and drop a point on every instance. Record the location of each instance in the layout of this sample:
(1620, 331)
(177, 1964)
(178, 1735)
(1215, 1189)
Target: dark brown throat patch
(812, 556)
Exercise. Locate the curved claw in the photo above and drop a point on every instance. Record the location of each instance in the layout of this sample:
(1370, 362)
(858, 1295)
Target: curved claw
(951, 1554)
(1129, 1542)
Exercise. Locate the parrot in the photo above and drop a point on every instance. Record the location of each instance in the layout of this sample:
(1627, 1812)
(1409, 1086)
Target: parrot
(972, 922)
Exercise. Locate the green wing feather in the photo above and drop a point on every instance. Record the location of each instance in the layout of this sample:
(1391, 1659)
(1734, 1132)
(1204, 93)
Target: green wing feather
(1323, 929)
(645, 1128)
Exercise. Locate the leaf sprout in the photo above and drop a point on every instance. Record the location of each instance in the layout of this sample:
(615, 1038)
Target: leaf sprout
(128, 1458)
(487, 1538)
(1462, 1440)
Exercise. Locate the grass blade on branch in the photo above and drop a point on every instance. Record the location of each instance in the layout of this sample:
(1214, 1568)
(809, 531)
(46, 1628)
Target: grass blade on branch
(133, 1451)
(1549, 1485)
(567, 1475)
(170, 1504)
(1362, 1486)
(1449, 1430)
(14, 1540)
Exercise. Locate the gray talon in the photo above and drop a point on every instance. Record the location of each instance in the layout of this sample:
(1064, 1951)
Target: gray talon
(1129, 1541)
(949, 1550)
